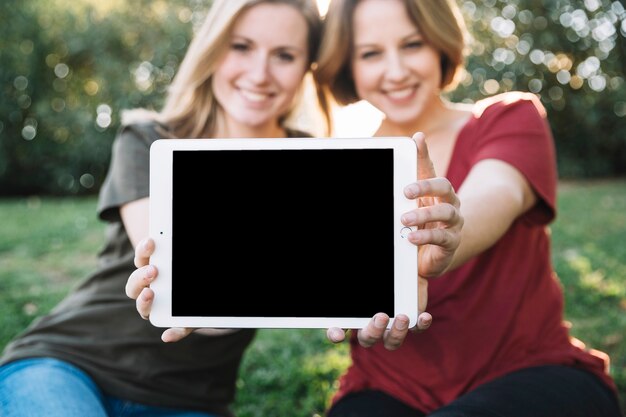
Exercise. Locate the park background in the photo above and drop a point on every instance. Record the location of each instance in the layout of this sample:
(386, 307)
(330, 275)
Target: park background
(68, 68)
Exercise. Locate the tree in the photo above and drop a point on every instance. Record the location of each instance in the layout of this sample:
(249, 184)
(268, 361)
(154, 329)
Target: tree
(68, 68)
(67, 71)
(573, 55)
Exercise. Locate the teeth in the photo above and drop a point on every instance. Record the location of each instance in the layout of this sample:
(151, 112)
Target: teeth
(400, 94)
(252, 96)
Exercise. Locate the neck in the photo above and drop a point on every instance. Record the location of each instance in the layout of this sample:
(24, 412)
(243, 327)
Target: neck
(231, 129)
(428, 121)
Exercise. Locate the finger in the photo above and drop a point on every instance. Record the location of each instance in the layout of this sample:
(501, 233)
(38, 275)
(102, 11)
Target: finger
(215, 331)
(439, 213)
(144, 303)
(143, 251)
(395, 336)
(140, 279)
(335, 334)
(422, 296)
(425, 166)
(374, 331)
(424, 321)
(439, 187)
(446, 239)
(174, 334)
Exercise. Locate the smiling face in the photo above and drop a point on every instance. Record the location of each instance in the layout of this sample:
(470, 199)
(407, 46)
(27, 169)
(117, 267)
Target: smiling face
(394, 69)
(262, 71)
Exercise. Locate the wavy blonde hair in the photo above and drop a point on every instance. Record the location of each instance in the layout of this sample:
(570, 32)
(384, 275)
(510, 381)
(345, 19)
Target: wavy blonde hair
(191, 109)
(439, 21)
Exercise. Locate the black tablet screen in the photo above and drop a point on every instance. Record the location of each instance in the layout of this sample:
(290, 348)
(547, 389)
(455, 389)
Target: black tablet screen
(283, 233)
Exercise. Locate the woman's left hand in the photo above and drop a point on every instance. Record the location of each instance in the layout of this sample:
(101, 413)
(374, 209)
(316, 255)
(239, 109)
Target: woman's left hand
(438, 222)
(437, 216)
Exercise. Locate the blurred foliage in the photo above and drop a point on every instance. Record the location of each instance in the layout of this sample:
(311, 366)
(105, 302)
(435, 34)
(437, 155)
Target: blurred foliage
(67, 69)
(572, 53)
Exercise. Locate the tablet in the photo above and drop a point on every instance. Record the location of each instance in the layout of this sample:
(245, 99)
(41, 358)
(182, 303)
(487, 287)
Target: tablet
(281, 232)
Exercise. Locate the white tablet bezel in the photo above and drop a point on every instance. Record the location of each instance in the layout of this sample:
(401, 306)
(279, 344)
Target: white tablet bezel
(160, 229)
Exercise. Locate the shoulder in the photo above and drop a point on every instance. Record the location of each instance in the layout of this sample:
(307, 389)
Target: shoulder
(296, 133)
(511, 112)
(147, 131)
(139, 135)
(512, 128)
(514, 101)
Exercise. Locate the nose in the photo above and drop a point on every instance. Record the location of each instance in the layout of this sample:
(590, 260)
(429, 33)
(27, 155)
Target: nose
(396, 68)
(259, 68)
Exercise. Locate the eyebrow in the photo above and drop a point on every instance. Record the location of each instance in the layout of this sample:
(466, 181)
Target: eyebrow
(404, 39)
(241, 38)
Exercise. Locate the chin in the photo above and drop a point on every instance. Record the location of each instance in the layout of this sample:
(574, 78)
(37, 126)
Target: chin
(252, 121)
(401, 119)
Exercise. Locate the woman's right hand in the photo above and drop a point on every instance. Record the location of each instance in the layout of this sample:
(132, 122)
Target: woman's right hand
(138, 288)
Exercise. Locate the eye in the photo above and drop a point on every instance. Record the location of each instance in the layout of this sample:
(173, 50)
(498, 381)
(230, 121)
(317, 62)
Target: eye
(368, 54)
(239, 46)
(415, 44)
(285, 57)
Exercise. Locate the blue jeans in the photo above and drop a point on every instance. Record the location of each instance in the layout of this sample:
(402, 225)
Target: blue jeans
(49, 387)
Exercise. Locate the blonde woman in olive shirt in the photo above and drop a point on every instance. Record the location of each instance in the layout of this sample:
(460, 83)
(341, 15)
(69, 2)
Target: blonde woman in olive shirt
(93, 355)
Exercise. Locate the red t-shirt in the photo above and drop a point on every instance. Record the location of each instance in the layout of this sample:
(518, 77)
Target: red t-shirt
(502, 310)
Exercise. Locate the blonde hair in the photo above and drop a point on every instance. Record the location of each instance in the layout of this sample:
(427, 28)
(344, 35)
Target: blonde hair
(190, 108)
(440, 22)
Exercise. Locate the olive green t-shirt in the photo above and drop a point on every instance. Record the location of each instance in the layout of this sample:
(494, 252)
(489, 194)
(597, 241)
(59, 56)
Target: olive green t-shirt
(97, 328)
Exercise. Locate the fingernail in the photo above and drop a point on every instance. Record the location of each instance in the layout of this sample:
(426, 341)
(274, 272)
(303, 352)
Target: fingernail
(380, 322)
(425, 322)
(408, 218)
(401, 324)
(412, 190)
(337, 335)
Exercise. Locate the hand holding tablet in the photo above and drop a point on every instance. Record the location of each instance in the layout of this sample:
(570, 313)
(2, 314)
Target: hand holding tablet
(279, 224)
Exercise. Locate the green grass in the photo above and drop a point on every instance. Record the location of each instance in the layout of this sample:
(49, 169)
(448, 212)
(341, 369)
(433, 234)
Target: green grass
(589, 254)
(47, 245)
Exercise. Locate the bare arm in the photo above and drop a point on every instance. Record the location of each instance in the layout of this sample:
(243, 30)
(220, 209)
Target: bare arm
(136, 221)
(135, 218)
(493, 195)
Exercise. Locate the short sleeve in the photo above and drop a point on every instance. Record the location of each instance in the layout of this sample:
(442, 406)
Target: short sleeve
(129, 170)
(514, 129)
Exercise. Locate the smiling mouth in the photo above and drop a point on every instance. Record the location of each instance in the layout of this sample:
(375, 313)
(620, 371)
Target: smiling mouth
(255, 97)
(401, 94)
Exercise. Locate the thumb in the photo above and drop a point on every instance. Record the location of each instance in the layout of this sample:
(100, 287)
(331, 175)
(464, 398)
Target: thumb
(336, 335)
(425, 167)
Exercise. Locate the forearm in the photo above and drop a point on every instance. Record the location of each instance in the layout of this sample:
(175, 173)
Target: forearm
(135, 218)
(492, 197)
